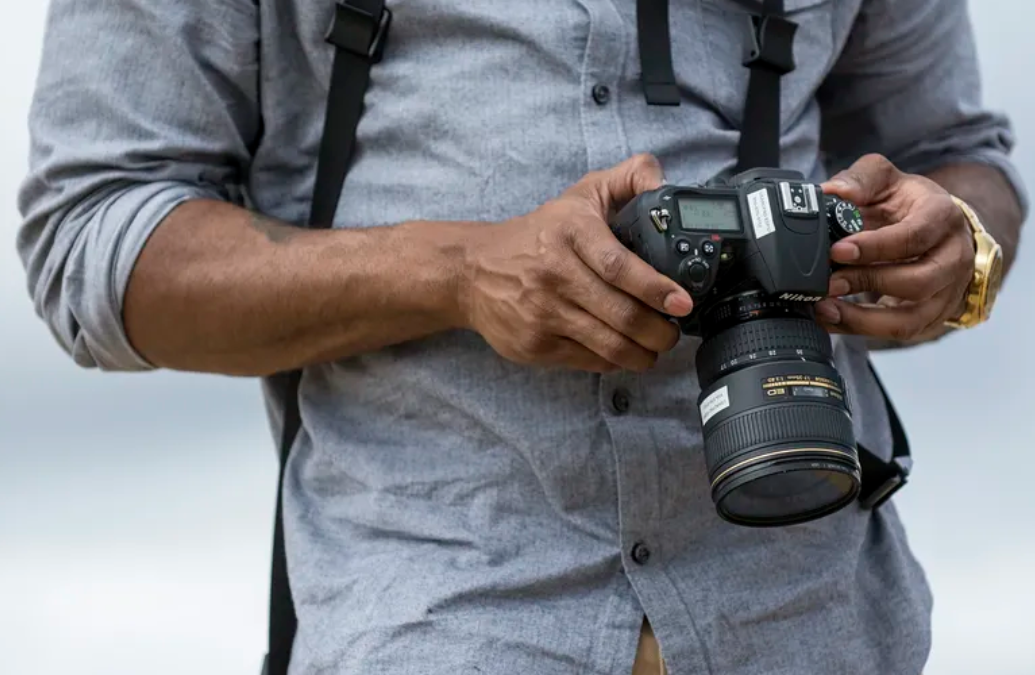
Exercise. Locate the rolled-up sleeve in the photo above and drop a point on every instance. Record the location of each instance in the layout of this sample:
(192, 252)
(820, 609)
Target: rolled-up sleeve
(140, 105)
(907, 85)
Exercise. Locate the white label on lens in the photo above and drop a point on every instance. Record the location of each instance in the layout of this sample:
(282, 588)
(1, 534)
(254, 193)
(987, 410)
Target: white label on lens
(715, 403)
(761, 213)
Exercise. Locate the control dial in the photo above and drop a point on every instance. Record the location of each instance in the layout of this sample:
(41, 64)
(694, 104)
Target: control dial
(696, 271)
(844, 218)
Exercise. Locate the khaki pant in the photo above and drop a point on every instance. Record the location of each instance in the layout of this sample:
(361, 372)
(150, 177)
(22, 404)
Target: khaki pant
(648, 653)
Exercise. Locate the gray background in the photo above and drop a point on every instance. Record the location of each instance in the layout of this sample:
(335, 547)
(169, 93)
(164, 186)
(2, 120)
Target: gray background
(135, 509)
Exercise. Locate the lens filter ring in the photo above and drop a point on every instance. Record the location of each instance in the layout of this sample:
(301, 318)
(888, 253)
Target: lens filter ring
(832, 473)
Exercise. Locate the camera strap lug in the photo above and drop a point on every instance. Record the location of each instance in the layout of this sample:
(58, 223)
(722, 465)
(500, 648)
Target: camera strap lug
(660, 218)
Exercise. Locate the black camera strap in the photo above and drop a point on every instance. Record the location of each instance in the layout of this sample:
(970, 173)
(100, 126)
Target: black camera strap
(770, 56)
(358, 32)
(655, 43)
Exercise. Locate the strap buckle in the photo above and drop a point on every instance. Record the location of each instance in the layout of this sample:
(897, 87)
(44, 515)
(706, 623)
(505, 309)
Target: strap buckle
(899, 468)
(359, 32)
(770, 43)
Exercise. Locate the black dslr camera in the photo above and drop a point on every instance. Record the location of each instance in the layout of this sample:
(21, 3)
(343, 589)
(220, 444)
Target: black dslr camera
(754, 253)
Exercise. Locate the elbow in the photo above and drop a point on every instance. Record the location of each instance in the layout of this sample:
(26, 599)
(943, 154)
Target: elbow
(78, 261)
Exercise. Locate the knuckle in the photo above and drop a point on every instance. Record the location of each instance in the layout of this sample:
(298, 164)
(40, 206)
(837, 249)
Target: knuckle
(533, 344)
(904, 331)
(880, 164)
(613, 264)
(617, 349)
(925, 284)
(627, 316)
(645, 161)
(918, 238)
(538, 307)
(542, 277)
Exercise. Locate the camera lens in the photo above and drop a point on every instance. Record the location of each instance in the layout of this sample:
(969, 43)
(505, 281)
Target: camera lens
(778, 436)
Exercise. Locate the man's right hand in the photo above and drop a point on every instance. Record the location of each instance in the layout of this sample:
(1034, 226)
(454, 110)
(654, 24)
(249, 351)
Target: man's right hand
(555, 287)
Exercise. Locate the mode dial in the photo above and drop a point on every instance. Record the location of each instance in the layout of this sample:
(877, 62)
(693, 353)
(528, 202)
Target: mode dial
(844, 218)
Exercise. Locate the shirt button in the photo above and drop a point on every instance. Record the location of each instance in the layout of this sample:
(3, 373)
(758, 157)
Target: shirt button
(640, 553)
(620, 401)
(601, 94)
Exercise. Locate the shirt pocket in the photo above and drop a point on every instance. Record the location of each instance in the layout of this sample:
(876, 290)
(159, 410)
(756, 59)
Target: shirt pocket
(726, 30)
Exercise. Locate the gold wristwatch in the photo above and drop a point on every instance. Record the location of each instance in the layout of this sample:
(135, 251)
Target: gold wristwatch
(988, 273)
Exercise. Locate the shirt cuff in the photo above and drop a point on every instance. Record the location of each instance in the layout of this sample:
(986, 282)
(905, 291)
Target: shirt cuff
(98, 269)
(992, 158)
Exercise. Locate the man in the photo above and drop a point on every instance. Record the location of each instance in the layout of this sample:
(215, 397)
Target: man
(500, 463)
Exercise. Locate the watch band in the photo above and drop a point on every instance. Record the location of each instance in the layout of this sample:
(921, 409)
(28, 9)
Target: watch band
(988, 272)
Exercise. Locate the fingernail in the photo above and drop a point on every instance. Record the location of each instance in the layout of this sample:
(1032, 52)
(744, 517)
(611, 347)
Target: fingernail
(845, 252)
(828, 311)
(678, 304)
(839, 287)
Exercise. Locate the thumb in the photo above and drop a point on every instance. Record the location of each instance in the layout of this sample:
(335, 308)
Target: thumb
(867, 181)
(613, 187)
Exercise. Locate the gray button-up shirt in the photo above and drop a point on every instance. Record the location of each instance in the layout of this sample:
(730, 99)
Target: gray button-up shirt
(448, 511)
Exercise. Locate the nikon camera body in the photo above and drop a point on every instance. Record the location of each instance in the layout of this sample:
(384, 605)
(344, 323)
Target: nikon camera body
(754, 253)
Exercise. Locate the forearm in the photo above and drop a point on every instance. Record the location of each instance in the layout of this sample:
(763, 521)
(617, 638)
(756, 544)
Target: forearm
(989, 193)
(219, 289)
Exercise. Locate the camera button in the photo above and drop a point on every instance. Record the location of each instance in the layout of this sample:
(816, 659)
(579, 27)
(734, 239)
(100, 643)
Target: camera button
(697, 272)
(640, 554)
(709, 248)
(683, 246)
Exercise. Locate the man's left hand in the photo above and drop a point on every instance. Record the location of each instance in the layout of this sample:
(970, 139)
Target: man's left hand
(916, 253)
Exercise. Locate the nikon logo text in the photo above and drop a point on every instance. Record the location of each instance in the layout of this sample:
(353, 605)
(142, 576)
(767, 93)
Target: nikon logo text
(798, 297)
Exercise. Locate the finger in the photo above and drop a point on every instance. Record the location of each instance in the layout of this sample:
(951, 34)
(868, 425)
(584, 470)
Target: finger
(570, 354)
(611, 188)
(920, 280)
(623, 269)
(865, 182)
(633, 319)
(912, 237)
(902, 323)
(622, 312)
(605, 342)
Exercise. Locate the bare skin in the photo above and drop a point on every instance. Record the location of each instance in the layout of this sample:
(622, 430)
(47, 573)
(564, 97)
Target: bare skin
(916, 256)
(220, 289)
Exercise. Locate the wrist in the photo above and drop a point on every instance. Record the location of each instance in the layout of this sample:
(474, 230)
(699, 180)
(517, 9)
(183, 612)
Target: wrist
(434, 256)
(986, 272)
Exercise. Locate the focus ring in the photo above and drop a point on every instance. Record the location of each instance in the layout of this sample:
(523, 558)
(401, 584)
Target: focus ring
(802, 424)
(756, 337)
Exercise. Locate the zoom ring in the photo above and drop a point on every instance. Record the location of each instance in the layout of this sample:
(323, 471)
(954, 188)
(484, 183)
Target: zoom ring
(769, 426)
(756, 337)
